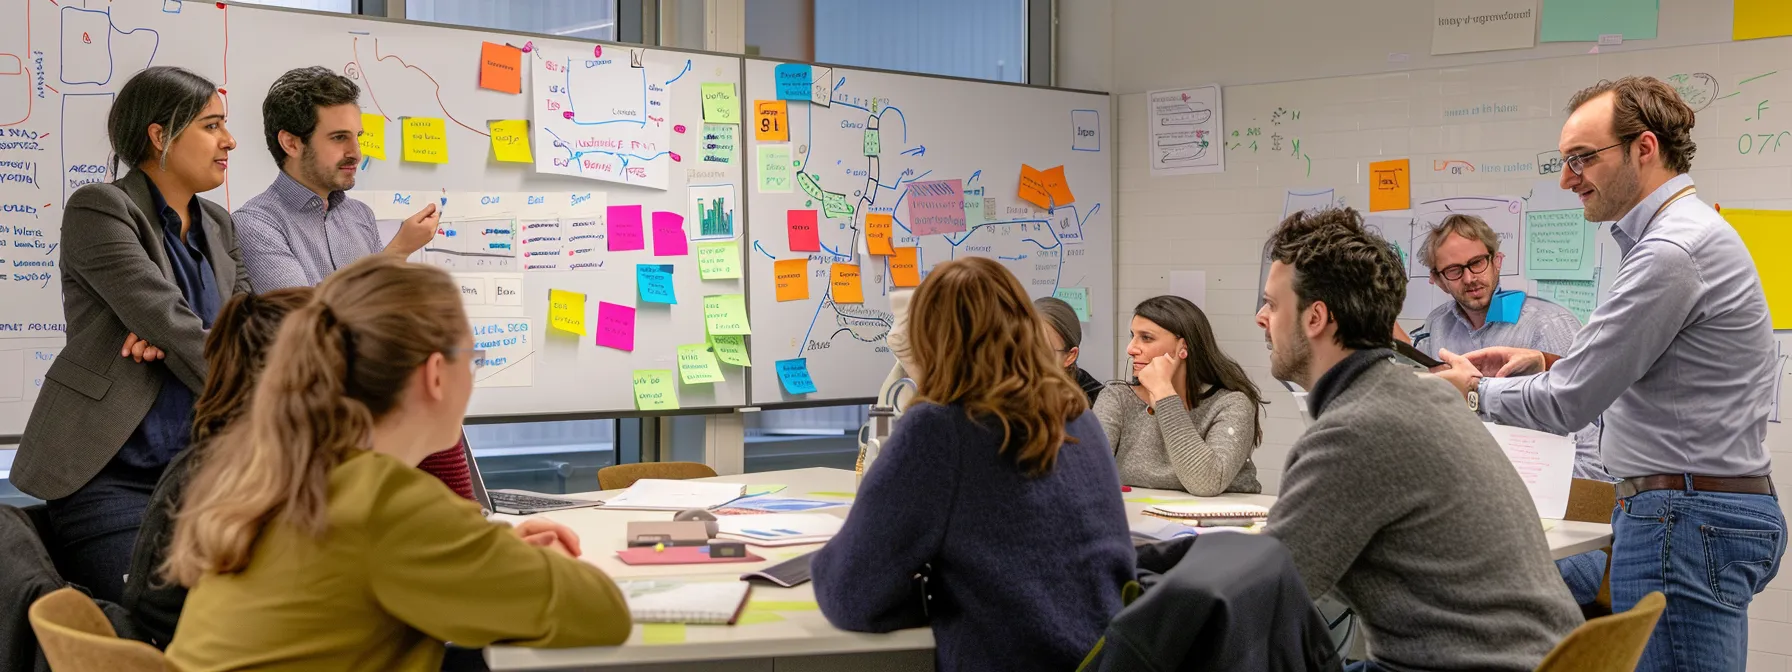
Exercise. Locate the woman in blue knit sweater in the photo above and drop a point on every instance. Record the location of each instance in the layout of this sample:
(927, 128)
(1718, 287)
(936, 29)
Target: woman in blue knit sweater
(997, 486)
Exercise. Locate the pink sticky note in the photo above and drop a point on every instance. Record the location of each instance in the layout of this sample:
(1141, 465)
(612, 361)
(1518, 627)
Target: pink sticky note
(668, 235)
(803, 234)
(625, 228)
(615, 326)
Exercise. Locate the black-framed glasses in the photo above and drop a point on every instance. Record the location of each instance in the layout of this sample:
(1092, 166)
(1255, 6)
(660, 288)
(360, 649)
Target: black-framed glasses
(1578, 162)
(1453, 272)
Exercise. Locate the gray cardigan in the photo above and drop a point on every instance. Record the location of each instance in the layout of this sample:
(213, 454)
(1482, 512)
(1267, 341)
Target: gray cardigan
(1204, 451)
(1399, 499)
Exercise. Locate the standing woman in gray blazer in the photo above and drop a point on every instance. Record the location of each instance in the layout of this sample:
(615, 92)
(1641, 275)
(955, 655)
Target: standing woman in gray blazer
(145, 265)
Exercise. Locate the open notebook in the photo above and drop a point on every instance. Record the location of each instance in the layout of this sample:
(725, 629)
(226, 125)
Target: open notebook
(702, 602)
(1217, 513)
(654, 494)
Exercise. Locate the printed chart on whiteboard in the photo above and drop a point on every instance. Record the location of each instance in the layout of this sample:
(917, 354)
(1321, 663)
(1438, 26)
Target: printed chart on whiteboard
(1185, 128)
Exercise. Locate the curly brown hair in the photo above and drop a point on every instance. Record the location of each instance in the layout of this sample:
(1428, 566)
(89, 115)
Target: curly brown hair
(1338, 262)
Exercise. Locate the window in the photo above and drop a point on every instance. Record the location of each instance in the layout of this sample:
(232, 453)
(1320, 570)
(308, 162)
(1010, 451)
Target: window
(579, 19)
(343, 6)
(979, 39)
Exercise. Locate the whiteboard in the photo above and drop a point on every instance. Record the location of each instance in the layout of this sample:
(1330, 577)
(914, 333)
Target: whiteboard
(927, 129)
(69, 61)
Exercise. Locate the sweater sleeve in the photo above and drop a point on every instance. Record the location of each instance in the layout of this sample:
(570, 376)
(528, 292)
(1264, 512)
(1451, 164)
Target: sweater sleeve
(1327, 513)
(1207, 463)
(865, 576)
(1111, 414)
(436, 565)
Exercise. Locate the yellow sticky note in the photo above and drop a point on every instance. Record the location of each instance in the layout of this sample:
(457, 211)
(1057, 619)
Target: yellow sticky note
(566, 311)
(1761, 18)
(654, 391)
(1768, 234)
(373, 136)
(425, 140)
(726, 315)
(846, 284)
(771, 120)
(751, 617)
(1389, 186)
(905, 267)
(718, 261)
(662, 633)
(878, 228)
(510, 140)
(697, 365)
(719, 104)
(785, 605)
(731, 349)
(792, 276)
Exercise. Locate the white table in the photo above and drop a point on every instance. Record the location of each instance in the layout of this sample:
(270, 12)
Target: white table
(804, 633)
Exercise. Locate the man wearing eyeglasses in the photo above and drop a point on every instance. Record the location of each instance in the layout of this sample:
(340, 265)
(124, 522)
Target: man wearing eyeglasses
(1681, 361)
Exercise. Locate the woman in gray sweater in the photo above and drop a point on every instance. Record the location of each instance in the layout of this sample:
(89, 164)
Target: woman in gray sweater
(1189, 419)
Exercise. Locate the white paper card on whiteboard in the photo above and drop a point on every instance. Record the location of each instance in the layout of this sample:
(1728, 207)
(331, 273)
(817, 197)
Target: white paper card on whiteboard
(595, 116)
(1191, 285)
(509, 345)
(1184, 132)
(1462, 26)
(1544, 461)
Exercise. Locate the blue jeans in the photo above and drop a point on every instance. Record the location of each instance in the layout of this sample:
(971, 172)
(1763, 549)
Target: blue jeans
(1709, 554)
(95, 528)
(1583, 573)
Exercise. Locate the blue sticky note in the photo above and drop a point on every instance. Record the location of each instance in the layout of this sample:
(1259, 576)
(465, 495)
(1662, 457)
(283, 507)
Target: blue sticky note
(654, 281)
(1505, 306)
(793, 81)
(794, 373)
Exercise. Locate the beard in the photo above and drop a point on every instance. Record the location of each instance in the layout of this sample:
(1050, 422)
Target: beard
(1289, 359)
(1611, 201)
(1472, 305)
(330, 177)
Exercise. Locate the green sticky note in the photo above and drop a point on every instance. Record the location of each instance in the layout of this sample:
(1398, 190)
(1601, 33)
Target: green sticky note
(873, 144)
(654, 391)
(720, 106)
(1558, 245)
(697, 365)
(726, 315)
(1078, 298)
(1579, 297)
(730, 349)
(973, 208)
(835, 205)
(770, 605)
(719, 143)
(751, 617)
(718, 261)
(662, 633)
(1586, 20)
(775, 169)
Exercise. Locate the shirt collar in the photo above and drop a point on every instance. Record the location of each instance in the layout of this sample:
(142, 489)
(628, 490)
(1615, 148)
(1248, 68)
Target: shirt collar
(1636, 222)
(1341, 375)
(299, 197)
(171, 219)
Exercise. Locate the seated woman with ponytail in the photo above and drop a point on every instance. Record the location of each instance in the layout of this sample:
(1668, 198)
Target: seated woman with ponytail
(309, 540)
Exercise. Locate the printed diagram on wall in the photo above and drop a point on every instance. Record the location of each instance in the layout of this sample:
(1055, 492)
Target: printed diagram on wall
(604, 115)
(1184, 130)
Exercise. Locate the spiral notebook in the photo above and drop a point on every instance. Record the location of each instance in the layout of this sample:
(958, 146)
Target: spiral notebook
(1223, 513)
(700, 602)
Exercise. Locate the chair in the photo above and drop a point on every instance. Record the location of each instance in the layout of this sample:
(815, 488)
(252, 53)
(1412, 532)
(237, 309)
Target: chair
(624, 475)
(1591, 501)
(76, 637)
(1608, 644)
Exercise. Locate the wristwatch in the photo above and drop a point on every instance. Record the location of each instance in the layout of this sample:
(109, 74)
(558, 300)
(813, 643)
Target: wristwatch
(1474, 394)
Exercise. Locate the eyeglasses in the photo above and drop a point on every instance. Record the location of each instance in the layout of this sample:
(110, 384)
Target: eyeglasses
(1578, 162)
(1453, 272)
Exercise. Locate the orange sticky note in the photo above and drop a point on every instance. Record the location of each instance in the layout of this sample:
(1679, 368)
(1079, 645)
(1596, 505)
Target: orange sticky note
(877, 233)
(793, 278)
(500, 67)
(846, 283)
(905, 267)
(1032, 187)
(1058, 187)
(771, 120)
(1389, 188)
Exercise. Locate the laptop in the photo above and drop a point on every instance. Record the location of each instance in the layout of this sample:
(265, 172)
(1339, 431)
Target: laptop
(514, 502)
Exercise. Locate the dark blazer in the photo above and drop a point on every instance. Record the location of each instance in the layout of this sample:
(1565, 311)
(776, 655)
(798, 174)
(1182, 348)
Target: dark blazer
(116, 280)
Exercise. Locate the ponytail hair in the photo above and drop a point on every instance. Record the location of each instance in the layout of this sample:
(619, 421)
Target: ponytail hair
(236, 350)
(339, 364)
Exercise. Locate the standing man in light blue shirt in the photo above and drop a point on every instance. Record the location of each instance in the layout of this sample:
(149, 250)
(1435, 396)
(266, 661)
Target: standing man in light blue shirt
(305, 226)
(1681, 360)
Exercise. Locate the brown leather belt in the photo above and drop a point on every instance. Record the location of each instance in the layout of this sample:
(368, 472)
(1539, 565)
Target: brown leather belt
(1747, 485)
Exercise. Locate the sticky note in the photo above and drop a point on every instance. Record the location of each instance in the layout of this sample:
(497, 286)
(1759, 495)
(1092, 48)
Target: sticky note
(697, 365)
(783, 605)
(654, 283)
(510, 140)
(873, 142)
(1756, 19)
(719, 144)
(730, 349)
(844, 281)
(1078, 298)
(1586, 20)
(774, 169)
(720, 106)
(973, 208)
(821, 86)
(1558, 245)
(793, 81)
(1032, 187)
(750, 617)
(425, 140)
(373, 136)
(500, 67)
(624, 231)
(566, 311)
(1578, 296)
(905, 267)
(1390, 186)
(726, 315)
(615, 326)
(794, 374)
(803, 234)
(669, 239)
(1768, 234)
(792, 277)
(1058, 187)
(878, 228)
(771, 120)
(936, 207)
(654, 392)
(718, 261)
(1505, 306)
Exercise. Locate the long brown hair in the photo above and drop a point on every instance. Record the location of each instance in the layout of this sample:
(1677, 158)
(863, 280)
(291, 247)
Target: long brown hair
(1206, 364)
(236, 350)
(339, 364)
(977, 340)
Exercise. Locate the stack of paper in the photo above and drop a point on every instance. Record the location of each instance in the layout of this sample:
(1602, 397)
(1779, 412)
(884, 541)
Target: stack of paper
(713, 602)
(780, 529)
(662, 495)
(1545, 462)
